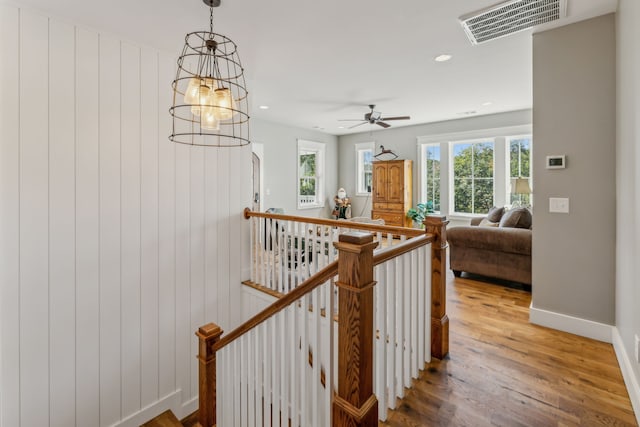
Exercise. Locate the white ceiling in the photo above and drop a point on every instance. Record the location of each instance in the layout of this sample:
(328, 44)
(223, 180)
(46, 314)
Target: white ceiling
(314, 62)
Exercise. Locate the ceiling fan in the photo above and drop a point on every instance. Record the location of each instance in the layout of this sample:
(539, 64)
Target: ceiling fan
(374, 118)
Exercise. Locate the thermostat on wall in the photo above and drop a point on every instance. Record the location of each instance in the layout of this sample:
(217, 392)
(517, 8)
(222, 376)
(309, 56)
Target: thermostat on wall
(556, 162)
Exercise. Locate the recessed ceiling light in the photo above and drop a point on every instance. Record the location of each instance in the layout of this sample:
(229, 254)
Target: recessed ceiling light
(263, 107)
(340, 127)
(486, 104)
(442, 58)
(318, 127)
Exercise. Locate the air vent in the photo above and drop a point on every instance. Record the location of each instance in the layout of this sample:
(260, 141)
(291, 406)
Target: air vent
(510, 17)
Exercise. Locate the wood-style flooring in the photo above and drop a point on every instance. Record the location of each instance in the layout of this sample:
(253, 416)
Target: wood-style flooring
(504, 371)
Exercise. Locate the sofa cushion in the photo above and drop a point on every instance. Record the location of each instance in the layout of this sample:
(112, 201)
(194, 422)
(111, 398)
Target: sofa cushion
(516, 218)
(508, 240)
(495, 214)
(486, 223)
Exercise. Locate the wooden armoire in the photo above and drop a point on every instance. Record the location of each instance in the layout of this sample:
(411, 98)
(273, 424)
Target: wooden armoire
(392, 192)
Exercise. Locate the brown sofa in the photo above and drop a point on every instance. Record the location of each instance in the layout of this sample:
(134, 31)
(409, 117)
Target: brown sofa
(493, 251)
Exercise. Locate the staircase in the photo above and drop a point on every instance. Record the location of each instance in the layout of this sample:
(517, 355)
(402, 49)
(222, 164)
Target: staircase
(291, 364)
(168, 419)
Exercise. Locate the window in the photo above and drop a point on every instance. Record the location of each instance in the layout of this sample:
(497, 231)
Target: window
(430, 175)
(364, 168)
(473, 176)
(466, 173)
(520, 167)
(310, 174)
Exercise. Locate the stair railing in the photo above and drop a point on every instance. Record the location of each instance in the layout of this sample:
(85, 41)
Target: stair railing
(286, 367)
(286, 249)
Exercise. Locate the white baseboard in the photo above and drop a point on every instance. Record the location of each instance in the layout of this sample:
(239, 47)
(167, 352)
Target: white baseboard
(188, 408)
(171, 401)
(573, 325)
(626, 367)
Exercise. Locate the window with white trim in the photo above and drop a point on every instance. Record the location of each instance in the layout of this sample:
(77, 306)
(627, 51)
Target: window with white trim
(473, 189)
(364, 168)
(520, 167)
(477, 169)
(430, 175)
(310, 174)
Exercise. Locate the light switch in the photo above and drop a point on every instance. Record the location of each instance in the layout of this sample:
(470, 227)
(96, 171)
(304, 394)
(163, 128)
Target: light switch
(559, 204)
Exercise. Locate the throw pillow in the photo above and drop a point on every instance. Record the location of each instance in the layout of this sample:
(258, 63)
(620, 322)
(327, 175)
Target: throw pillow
(486, 223)
(516, 218)
(495, 214)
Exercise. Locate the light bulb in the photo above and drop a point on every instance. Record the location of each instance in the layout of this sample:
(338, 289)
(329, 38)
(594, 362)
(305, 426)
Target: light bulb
(223, 103)
(191, 94)
(208, 120)
(204, 98)
(198, 93)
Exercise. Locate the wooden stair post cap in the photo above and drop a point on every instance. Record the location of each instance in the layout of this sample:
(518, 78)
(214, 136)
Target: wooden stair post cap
(210, 329)
(356, 238)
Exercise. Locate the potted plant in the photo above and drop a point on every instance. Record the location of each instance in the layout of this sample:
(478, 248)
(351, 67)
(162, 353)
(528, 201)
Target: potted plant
(420, 212)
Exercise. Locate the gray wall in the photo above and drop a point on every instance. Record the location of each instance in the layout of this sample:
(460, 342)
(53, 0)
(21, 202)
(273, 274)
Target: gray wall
(403, 140)
(628, 176)
(574, 114)
(279, 166)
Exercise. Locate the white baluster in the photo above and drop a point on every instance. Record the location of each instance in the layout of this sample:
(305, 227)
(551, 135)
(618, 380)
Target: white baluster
(406, 286)
(315, 348)
(414, 314)
(381, 342)
(427, 303)
(219, 385)
(259, 364)
(299, 242)
(400, 304)
(275, 387)
(251, 375)
(303, 359)
(327, 347)
(284, 371)
(267, 374)
(235, 347)
(244, 410)
(391, 346)
(293, 366)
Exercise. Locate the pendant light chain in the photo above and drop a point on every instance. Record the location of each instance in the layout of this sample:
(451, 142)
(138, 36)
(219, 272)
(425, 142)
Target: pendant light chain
(211, 21)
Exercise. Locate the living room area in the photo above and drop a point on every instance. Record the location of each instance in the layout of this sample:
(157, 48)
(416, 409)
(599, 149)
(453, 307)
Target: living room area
(116, 244)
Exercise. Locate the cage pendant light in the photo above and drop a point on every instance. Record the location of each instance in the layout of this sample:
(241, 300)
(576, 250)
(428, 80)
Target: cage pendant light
(210, 106)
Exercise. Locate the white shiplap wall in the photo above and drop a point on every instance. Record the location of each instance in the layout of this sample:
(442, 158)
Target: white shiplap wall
(115, 244)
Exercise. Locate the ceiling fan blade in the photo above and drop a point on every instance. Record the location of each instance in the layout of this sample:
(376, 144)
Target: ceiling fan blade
(349, 120)
(383, 124)
(355, 126)
(396, 118)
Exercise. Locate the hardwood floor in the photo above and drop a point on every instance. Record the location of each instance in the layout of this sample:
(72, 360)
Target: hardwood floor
(504, 371)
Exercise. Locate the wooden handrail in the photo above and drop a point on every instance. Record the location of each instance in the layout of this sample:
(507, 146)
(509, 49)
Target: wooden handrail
(305, 287)
(410, 232)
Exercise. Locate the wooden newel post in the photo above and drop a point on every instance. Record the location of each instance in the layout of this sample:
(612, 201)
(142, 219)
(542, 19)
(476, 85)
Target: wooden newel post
(439, 319)
(208, 335)
(355, 404)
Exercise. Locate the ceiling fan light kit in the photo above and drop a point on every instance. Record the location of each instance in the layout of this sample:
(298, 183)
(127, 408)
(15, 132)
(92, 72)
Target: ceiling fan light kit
(210, 106)
(374, 118)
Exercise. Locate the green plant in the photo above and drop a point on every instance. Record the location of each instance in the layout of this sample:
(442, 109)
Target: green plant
(420, 212)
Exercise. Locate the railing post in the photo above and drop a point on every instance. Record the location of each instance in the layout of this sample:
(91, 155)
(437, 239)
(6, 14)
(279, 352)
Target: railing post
(207, 335)
(355, 404)
(439, 319)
